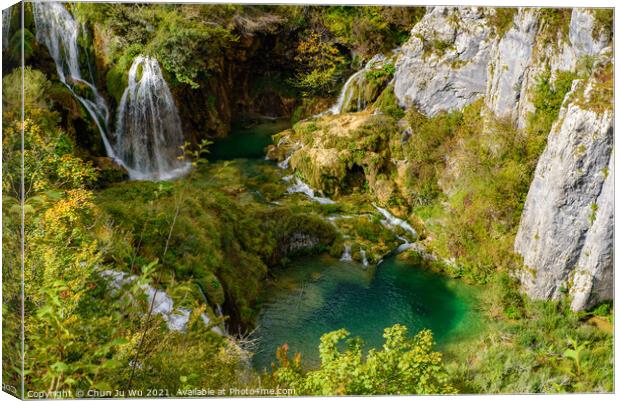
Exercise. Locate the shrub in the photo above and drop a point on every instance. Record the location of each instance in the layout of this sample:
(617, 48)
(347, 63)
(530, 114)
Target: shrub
(403, 366)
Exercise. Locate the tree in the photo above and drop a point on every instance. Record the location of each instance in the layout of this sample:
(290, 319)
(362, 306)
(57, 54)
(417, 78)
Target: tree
(320, 62)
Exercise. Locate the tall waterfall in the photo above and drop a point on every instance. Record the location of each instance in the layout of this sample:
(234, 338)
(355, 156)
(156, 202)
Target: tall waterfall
(148, 129)
(57, 29)
(6, 25)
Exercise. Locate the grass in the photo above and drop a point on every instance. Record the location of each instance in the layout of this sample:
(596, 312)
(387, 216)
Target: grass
(532, 347)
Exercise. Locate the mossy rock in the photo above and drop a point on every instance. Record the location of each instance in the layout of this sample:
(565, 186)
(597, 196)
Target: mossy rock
(212, 288)
(116, 82)
(109, 172)
(387, 103)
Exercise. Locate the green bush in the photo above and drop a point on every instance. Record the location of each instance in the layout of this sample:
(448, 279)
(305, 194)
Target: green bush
(403, 366)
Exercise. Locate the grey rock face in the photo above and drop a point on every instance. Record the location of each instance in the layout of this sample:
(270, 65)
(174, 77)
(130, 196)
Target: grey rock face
(557, 233)
(474, 62)
(511, 58)
(452, 76)
(581, 35)
(594, 281)
(564, 54)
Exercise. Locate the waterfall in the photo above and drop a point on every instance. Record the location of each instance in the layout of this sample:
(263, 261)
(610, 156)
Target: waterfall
(6, 26)
(176, 318)
(285, 163)
(148, 132)
(148, 129)
(356, 83)
(346, 92)
(404, 246)
(346, 255)
(301, 187)
(393, 221)
(363, 254)
(58, 31)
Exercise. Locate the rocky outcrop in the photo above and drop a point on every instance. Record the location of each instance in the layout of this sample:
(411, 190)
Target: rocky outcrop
(337, 154)
(299, 242)
(566, 230)
(511, 58)
(568, 52)
(593, 281)
(455, 57)
(444, 64)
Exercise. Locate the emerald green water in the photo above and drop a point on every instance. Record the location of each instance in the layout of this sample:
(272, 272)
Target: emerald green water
(247, 141)
(320, 294)
(315, 295)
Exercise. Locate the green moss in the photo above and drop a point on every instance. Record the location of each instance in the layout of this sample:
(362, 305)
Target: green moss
(388, 104)
(502, 20)
(212, 288)
(222, 240)
(603, 22)
(554, 21)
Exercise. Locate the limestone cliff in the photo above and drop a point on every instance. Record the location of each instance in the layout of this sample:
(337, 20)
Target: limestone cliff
(566, 230)
(443, 66)
(456, 55)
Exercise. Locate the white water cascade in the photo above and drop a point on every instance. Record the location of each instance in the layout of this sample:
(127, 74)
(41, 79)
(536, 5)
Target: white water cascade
(363, 254)
(346, 255)
(393, 221)
(6, 26)
(356, 83)
(404, 246)
(298, 186)
(176, 318)
(148, 128)
(285, 163)
(347, 91)
(57, 29)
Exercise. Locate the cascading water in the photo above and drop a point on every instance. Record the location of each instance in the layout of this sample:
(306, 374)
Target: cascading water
(148, 129)
(393, 221)
(356, 84)
(363, 255)
(6, 25)
(57, 29)
(299, 186)
(347, 91)
(285, 163)
(346, 255)
(175, 318)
